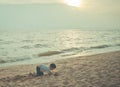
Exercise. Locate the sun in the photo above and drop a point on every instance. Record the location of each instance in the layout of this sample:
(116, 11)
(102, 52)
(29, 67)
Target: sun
(74, 3)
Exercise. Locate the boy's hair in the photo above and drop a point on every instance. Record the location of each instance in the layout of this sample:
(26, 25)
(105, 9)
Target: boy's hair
(52, 65)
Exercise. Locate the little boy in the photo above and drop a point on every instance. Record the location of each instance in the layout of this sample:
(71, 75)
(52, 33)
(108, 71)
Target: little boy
(43, 68)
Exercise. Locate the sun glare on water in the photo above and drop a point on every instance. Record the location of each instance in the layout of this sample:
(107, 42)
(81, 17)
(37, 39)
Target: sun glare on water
(74, 3)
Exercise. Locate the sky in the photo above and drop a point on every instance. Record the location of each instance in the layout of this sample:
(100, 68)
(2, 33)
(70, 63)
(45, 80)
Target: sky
(28, 1)
(55, 14)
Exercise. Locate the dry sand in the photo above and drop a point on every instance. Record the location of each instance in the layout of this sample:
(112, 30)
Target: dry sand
(100, 70)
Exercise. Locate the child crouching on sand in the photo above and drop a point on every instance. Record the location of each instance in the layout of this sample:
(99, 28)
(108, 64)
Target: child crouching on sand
(41, 69)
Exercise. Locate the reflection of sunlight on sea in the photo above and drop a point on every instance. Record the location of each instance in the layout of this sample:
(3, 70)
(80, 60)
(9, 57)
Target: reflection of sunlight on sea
(72, 39)
(69, 38)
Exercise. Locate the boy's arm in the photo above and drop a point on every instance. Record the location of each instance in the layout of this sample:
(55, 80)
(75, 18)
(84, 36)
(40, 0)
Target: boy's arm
(50, 73)
(53, 73)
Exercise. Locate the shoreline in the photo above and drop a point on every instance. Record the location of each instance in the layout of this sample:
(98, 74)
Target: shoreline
(96, 70)
(51, 59)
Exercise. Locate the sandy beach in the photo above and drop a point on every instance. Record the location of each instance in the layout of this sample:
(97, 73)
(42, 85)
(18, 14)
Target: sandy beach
(99, 70)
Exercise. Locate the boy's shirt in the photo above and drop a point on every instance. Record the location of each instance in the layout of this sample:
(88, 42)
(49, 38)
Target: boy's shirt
(44, 68)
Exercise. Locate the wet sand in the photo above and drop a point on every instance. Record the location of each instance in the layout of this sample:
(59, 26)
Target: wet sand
(100, 70)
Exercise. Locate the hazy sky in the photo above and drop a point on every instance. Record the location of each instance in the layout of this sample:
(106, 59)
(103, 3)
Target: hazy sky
(54, 14)
(29, 1)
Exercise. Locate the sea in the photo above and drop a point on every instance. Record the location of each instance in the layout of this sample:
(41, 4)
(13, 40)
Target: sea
(41, 46)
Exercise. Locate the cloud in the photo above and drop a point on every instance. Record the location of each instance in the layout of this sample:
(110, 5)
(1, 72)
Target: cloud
(28, 1)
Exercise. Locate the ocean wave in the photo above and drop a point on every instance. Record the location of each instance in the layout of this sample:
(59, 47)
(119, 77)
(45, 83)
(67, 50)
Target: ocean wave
(6, 42)
(2, 48)
(14, 60)
(23, 59)
(49, 53)
(100, 46)
(26, 47)
(28, 41)
(2, 61)
(1, 40)
(73, 49)
(117, 45)
(40, 45)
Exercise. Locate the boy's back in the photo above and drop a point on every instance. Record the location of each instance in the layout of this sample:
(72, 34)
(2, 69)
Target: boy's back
(44, 68)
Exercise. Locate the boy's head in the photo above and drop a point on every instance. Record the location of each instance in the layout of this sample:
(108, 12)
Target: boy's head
(52, 66)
